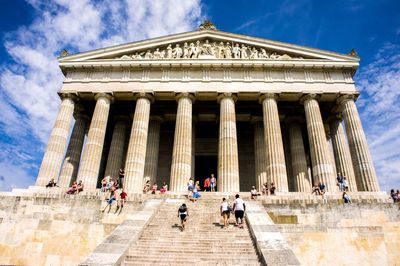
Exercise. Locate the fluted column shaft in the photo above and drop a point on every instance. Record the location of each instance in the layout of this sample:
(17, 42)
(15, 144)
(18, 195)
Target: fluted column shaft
(259, 154)
(322, 168)
(361, 157)
(136, 155)
(91, 158)
(302, 180)
(181, 167)
(274, 153)
(70, 166)
(116, 153)
(153, 144)
(54, 155)
(342, 153)
(228, 160)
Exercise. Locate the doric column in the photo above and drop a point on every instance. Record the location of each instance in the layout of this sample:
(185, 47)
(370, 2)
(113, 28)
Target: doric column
(302, 180)
(54, 155)
(330, 148)
(70, 166)
(322, 168)
(181, 167)
(91, 158)
(361, 157)
(274, 154)
(259, 153)
(136, 155)
(342, 152)
(153, 144)
(116, 152)
(228, 160)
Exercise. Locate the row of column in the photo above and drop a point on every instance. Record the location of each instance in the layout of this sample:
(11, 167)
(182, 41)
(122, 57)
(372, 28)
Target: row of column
(142, 153)
(351, 159)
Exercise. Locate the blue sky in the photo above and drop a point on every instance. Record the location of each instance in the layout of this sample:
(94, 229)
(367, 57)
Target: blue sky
(33, 33)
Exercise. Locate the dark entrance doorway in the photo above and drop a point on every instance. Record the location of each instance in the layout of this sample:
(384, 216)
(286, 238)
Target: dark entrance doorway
(205, 165)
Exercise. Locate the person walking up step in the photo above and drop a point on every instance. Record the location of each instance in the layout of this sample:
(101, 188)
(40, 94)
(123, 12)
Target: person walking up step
(183, 213)
(239, 208)
(225, 211)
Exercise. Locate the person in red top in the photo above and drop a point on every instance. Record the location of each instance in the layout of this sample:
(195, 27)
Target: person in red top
(207, 183)
(121, 201)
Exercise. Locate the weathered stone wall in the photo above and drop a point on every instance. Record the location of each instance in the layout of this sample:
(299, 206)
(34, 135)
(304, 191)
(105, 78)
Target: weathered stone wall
(340, 234)
(53, 229)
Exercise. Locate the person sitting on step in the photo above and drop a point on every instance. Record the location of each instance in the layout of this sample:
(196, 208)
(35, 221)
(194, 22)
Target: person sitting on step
(79, 187)
(146, 187)
(346, 197)
(253, 192)
(272, 188)
(73, 188)
(51, 183)
(164, 188)
(154, 188)
(265, 189)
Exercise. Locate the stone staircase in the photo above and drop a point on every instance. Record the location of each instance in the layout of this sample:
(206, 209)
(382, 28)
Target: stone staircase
(203, 242)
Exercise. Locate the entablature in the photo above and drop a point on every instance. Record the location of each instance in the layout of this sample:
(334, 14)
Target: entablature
(210, 73)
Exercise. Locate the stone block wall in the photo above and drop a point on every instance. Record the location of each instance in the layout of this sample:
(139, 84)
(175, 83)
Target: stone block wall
(53, 229)
(340, 234)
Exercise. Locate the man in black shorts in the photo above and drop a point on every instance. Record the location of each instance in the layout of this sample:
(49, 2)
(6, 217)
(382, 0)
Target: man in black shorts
(183, 212)
(239, 208)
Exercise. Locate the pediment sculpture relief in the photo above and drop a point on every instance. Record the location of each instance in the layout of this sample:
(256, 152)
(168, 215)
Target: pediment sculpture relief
(207, 50)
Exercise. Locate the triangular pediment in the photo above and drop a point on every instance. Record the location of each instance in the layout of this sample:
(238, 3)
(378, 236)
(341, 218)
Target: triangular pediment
(210, 45)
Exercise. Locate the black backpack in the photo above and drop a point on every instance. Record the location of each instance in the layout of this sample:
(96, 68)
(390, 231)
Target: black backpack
(182, 209)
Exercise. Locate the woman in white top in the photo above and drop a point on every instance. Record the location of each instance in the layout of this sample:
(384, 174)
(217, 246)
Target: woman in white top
(225, 211)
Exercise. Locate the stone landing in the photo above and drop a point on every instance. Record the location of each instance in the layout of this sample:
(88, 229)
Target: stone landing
(55, 229)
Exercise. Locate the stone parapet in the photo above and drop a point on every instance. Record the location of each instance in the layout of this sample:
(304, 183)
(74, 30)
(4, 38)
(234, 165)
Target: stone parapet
(271, 245)
(112, 250)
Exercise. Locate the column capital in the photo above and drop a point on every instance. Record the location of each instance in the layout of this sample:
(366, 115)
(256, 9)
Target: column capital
(146, 95)
(226, 95)
(308, 97)
(185, 95)
(269, 95)
(71, 96)
(104, 95)
(345, 97)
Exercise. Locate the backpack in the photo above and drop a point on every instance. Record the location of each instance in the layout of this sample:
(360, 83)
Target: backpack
(182, 209)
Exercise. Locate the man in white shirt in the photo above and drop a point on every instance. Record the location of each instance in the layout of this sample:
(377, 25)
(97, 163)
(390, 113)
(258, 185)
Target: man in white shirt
(239, 208)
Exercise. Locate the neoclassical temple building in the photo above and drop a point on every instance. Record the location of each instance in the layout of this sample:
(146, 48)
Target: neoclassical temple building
(249, 110)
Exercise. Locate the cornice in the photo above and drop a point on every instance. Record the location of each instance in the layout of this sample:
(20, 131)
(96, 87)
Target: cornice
(205, 63)
(215, 34)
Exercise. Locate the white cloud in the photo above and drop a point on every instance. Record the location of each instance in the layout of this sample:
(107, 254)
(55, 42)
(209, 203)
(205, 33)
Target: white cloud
(28, 97)
(380, 112)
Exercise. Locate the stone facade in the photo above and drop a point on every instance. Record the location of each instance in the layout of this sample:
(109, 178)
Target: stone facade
(207, 89)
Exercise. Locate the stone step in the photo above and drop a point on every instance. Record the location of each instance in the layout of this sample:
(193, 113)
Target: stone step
(197, 263)
(198, 244)
(189, 260)
(203, 242)
(176, 248)
(198, 254)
